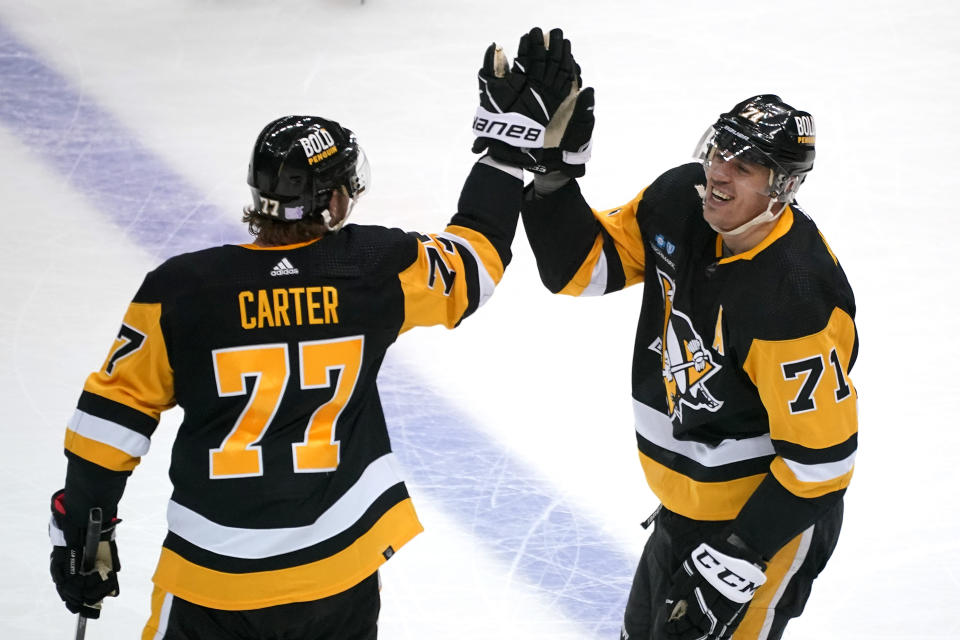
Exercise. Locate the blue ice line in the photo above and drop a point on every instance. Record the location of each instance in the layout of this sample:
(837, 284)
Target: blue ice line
(504, 504)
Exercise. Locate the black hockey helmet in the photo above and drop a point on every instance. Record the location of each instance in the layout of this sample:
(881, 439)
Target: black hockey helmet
(297, 163)
(767, 131)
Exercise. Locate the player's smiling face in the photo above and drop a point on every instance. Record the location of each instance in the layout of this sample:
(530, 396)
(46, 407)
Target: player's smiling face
(737, 191)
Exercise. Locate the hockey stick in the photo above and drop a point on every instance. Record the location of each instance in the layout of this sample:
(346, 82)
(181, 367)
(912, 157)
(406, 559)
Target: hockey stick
(90, 543)
(683, 365)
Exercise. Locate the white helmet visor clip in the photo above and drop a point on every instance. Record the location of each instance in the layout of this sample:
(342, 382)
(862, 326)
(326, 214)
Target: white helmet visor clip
(357, 184)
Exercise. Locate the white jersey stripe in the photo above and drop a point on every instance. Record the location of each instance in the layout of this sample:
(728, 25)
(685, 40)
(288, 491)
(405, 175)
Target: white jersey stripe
(164, 617)
(821, 472)
(238, 542)
(801, 555)
(598, 279)
(657, 428)
(109, 433)
(486, 283)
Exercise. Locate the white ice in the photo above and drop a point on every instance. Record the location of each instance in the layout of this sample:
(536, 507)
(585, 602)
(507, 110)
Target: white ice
(537, 385)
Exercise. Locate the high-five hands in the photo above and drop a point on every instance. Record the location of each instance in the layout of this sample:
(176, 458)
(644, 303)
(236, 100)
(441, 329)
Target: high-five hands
(533, 115)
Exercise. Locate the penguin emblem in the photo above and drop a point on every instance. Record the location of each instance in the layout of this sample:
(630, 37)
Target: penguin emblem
(687, 363)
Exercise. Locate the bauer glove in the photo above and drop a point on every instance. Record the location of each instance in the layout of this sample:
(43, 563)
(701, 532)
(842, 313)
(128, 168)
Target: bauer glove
(525, 109)
(710, 592)
(82, 592)
(572, 150)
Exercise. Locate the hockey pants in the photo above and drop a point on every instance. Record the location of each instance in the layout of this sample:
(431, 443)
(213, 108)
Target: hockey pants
(790, 574)
(349, 615)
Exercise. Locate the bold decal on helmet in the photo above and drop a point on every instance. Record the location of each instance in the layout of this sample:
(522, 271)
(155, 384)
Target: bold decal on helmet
(805, 126)
(318, 145)
(806, 131)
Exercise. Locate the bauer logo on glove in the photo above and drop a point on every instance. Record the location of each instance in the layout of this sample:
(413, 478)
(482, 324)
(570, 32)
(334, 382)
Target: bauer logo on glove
(508, 127)
(533, 115)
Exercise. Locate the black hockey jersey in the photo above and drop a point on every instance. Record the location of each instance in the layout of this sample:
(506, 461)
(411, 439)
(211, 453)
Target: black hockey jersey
(741, 364)
(284, 485)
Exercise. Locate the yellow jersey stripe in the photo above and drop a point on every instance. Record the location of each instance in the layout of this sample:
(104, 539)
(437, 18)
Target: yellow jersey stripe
(156, 626)
(622, 225)
(781, 568)
(109, 433)
(482, 247)
(583, 278)
(311, 581)
(99, 453)
(698, 500)
(804, 489)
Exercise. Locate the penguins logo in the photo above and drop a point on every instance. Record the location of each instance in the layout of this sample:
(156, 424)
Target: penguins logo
(687, 363)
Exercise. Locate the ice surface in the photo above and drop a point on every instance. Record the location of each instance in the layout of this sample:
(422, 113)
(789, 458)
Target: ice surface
(124, 135)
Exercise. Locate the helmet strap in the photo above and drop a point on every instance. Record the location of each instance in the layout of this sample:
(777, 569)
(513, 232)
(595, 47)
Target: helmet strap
(333, 225)
(767, 216)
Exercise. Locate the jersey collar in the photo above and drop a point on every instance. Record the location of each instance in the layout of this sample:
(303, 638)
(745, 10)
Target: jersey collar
(783, 225)
(282, 247)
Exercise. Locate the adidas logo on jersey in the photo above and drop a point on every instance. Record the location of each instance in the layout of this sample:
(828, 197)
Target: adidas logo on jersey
(284, 268)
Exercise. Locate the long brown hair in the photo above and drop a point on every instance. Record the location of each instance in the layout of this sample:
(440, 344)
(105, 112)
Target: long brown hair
(270, 231)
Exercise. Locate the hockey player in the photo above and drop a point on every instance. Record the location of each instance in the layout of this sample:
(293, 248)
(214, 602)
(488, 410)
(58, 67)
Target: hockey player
(746, 417)
(286, 498)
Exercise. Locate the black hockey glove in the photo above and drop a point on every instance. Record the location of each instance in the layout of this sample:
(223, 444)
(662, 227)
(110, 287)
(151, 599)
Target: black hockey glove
(81, 592)
(710, 592)
(572, 150)
(517, 105)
